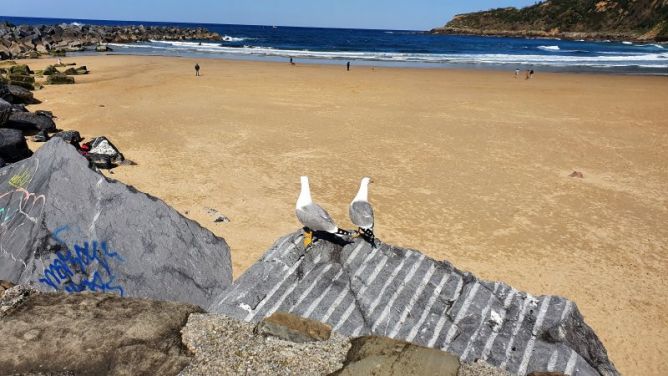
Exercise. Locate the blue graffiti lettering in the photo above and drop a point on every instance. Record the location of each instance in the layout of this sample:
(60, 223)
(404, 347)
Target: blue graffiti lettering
(82, 267)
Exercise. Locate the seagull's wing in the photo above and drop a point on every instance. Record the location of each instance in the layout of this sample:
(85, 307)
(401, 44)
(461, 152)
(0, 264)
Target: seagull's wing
(316, 218)
(361, 213)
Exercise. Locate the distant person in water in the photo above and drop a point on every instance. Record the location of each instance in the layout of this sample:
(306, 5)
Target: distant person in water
(197, 70)
(348, 66)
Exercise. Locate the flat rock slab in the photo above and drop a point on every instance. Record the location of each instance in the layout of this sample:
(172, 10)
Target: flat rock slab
(293, 328)
(64, 227)
(86, 334)
(384, 356)
(399, 293)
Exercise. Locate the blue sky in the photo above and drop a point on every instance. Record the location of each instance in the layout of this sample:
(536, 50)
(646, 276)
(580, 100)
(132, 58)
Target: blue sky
(381, 14)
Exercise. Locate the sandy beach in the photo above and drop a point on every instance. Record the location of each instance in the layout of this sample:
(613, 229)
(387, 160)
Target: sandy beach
(469, 166)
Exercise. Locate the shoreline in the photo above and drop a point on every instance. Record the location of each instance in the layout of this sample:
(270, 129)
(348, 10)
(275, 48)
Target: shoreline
(470, 166)
(509, 68)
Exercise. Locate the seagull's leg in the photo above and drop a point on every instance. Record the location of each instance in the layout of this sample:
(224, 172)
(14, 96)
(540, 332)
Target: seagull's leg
(308, 237)
(369, 236)
(358, 233)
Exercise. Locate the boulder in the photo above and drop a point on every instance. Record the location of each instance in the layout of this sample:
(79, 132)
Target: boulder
(22, 84)
(93, 334)
(68, 228)
(19, 108)
(4, 286)
(370, 356)
(394, 292)
(20, 69)
(13, 148)
(49, 70)
(293, 328)
(71, 137)
(5, 111)
(59, 79)
(22, 78)
(101, 152)
(103, 48)
(27, 122)
(17, 95)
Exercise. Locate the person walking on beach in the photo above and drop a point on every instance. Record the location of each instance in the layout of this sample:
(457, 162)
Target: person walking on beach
(348, 66)
(531, 72)
(197, 70)
(517, 73)
(291, 61)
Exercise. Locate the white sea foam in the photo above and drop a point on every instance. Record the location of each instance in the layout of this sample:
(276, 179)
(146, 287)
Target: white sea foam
(655, 60)
(549, 48)
(628, 43)
(228, 38)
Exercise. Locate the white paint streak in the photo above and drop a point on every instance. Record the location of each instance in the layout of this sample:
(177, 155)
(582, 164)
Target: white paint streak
(553, 361)
(516, 330)
(287, 275)
(441, 321)
(363, 289)
(386, 311)
(490, 341)
(411, 303)
(310, 288)
(528, 350)
(572, 361)
(460, 315)
(380, 294)
(437, 292)
(316, 302)
(485, 312)
(292, 288)
(344, 291)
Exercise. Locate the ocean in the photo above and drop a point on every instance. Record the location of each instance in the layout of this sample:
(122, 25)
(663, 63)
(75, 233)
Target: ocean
(395, 48)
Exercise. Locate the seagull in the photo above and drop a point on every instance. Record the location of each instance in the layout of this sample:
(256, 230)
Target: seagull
(361, 212)
(314, 217)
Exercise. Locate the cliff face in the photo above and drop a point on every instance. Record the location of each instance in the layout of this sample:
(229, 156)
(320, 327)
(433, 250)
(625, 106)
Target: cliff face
(592, 19)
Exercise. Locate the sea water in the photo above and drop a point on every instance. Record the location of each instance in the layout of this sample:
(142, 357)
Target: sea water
(395, 48)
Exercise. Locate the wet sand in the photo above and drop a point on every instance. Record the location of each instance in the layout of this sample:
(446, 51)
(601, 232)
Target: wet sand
(469, 166)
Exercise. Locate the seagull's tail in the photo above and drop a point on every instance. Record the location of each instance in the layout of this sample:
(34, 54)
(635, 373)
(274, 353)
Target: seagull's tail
(368, 235)
(342, 232)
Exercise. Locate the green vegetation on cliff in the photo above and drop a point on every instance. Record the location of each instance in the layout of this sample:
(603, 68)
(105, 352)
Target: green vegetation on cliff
(606, 19)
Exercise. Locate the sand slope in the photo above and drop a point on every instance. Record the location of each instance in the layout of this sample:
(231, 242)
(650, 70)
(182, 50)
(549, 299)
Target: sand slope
(470, 166)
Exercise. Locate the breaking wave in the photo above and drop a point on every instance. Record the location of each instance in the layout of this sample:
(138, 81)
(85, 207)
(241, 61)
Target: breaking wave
(549, 48)
(653, 60)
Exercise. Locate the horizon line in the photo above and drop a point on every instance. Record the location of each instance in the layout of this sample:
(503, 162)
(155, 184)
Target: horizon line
(210, 23)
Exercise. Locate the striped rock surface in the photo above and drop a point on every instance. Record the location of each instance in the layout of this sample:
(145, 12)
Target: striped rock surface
(402, 294)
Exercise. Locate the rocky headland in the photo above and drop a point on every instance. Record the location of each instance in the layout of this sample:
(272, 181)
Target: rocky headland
(26, 41)
(644, 20)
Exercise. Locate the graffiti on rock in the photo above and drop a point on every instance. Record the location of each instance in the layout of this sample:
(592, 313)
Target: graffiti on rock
(84, 266)
(20, 209)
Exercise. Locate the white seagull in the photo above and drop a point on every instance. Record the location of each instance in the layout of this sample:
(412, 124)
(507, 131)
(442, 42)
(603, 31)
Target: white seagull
(314, 217)
(361, 212)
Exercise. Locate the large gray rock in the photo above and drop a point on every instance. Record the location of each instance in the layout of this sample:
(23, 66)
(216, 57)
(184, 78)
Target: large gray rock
(399, 293)
(67, 228)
